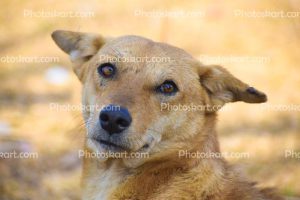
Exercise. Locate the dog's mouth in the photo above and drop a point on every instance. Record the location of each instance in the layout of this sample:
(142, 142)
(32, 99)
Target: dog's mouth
(113, 147)
(107, 145)
(115, 144)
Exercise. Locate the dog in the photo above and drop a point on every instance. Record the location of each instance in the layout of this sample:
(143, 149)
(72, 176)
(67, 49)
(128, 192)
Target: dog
(134, 127)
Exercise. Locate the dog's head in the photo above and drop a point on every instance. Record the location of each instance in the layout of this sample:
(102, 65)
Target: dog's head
(146, 97)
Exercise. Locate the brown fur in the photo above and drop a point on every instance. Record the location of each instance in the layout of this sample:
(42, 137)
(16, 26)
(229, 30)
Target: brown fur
(160, 133)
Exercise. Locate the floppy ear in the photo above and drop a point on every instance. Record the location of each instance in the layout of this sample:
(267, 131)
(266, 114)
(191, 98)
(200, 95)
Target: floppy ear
(222, 87)
(80, 46)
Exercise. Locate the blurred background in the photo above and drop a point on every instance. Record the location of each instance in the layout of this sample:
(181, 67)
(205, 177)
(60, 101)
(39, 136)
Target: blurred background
(35, 75)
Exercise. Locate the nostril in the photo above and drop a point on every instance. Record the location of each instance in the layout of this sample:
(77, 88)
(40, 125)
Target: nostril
(122, 122)
(114, 121)
(104, 117)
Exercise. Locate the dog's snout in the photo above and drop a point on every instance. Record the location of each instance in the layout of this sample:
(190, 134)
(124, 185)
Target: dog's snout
(115, 119)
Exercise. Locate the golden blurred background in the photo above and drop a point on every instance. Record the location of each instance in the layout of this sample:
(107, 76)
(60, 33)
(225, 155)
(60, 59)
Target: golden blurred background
(263, 51)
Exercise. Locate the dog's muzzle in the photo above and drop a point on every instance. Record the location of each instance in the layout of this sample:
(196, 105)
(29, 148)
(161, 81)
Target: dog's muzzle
(115, 119)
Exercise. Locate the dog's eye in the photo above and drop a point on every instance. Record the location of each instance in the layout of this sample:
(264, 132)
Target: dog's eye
(168, 88)
(107, 70)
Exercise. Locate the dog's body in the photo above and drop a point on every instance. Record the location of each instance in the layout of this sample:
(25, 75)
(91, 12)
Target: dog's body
(142, 127)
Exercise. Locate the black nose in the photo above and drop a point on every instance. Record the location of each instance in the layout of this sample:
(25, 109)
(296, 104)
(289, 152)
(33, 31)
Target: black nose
(114, 119)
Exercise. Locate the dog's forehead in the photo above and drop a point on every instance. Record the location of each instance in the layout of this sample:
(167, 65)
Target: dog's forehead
(140, 46)
(145, 54)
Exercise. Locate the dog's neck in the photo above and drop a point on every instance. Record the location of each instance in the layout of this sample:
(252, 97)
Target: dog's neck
(102, 178)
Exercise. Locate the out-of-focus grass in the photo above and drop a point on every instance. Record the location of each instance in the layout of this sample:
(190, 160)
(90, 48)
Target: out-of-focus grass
(25, 95)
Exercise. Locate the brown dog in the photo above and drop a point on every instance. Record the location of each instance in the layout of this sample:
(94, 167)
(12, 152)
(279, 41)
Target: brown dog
(133, 86)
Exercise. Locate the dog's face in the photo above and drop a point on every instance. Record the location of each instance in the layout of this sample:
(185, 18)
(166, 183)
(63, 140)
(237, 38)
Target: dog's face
(146, 97)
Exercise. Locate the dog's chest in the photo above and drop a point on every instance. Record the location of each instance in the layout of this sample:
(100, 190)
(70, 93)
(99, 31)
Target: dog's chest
(103, 184)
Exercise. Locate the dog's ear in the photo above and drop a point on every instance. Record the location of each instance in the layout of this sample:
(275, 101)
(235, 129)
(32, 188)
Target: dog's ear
(222, 87)
(80, 46)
